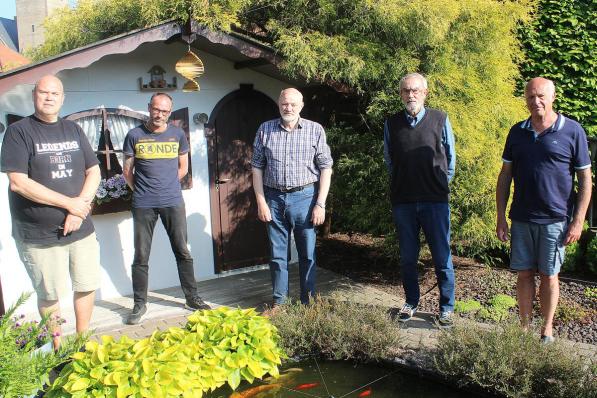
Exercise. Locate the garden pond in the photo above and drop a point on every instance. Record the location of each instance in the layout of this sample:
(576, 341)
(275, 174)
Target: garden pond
(340, 379)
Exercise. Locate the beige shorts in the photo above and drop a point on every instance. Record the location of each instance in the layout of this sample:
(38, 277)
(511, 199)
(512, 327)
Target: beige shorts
(49, 265)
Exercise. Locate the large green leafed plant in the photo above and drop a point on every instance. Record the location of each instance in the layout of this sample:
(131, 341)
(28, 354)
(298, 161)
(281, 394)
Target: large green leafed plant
(216, 347)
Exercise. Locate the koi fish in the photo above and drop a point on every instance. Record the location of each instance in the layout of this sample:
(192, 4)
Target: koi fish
(289, 370)
(254, 390)
(365, 393)
(306, 386)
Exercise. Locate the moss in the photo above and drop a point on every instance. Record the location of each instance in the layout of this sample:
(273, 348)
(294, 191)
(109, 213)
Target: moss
(467, 306)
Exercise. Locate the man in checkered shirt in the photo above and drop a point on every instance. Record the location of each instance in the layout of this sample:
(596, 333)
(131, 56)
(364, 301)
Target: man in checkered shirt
(292, 170)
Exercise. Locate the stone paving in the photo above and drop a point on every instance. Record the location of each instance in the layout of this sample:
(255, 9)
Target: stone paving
(253, 289)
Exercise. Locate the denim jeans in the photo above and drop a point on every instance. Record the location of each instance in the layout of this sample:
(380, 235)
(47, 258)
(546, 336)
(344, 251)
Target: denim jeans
(291, 212)
(174, 220)
(434, 218)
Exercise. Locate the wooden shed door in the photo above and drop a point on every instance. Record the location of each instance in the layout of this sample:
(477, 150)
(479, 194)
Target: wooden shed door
(240, 239)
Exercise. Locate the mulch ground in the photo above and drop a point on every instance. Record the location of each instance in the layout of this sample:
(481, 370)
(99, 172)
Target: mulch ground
(364, 259)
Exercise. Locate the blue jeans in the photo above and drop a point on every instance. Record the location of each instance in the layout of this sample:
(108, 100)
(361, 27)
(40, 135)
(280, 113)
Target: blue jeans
(291, 212)
(434, 218)
(174, 220)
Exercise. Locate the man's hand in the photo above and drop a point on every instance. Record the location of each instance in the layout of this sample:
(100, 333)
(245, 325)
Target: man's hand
(263, 212)
(502, 230)
(72, 223)
(79, 207)
(318, 215)
(573, 234)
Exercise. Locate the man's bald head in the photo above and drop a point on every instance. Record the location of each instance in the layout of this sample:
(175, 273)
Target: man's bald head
(48, 97)
(540, 94)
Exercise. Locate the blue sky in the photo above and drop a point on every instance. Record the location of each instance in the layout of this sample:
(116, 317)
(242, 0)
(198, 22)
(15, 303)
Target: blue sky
(7, 9)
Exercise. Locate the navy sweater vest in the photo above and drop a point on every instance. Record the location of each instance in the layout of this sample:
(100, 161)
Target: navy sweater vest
(419, 162)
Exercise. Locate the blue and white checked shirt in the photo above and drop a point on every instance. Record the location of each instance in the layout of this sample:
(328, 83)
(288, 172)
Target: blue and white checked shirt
(290, 158)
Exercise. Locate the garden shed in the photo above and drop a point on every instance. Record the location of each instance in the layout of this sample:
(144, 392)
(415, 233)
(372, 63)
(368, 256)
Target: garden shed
(108, 85)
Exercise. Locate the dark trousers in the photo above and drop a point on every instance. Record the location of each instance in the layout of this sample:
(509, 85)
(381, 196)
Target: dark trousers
(175, 222)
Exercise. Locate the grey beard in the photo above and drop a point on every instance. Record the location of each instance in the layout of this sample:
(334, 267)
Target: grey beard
(412, 107)
(289, 119)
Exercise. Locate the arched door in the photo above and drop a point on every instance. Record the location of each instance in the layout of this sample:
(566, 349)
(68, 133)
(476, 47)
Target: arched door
(240, 239)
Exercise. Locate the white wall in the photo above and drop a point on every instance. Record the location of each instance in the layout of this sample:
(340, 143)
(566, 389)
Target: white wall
(113, 82)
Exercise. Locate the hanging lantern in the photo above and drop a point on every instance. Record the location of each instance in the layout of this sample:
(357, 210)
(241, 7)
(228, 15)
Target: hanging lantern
(191, 67)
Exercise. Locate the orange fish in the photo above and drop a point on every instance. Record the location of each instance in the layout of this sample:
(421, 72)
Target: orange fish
(254, 391)
(306, 386)
(365, 393)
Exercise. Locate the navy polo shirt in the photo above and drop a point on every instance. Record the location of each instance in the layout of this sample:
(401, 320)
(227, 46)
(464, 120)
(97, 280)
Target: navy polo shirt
(543, 168)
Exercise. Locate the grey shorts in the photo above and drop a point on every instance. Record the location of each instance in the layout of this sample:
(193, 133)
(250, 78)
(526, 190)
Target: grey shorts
(49, 266)
(538, 246)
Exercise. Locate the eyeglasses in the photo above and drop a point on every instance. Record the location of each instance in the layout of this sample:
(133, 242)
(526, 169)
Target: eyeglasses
(414, 91)
(160, 111)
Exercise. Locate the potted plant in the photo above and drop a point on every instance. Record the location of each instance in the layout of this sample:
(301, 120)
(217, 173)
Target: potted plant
(112, 195)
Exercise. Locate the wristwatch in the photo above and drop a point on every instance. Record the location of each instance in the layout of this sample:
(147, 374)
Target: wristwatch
(320, 204)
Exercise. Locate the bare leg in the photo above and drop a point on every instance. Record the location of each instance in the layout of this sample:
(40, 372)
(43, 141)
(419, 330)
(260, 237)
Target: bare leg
(83, 303)
(549, 293)
(525, 293)
(51, 307)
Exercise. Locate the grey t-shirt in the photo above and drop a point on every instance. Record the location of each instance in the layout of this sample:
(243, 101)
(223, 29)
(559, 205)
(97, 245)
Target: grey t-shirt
(56, 155)
(156, 165)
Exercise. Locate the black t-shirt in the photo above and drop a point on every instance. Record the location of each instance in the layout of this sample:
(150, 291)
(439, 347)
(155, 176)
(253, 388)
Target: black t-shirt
(56, 155)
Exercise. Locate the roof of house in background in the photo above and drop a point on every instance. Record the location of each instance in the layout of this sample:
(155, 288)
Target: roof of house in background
(8, 33)
(10, 59)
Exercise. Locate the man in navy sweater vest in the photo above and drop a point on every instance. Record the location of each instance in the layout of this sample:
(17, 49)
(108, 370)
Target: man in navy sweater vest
(420, 155)
(542, 154)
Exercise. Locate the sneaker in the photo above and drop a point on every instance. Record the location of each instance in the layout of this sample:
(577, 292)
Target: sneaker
(196, 303)
(445, 319)
(547, 339)
(135, 316)
(406, 312)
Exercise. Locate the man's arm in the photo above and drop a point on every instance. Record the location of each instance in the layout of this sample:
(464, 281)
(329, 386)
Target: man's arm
(386, 147)
(450, 145)
(502, 193)
(263, 212)
(325, 179)
(127, 171)
(183, 165)
(582, 203)
(92, 179)
(21, 184)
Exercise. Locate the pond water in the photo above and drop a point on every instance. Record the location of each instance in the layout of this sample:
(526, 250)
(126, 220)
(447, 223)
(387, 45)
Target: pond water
(341, 379)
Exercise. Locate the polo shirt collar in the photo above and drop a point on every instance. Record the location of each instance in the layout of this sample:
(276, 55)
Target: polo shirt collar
(555, 127)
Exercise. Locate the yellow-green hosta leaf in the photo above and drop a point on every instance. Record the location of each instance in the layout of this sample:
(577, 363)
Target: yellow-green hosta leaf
(234, 378)
(194, 393)
(80, 384)
(255, 368)
(246, 374)
(97, 373)
(163, 378)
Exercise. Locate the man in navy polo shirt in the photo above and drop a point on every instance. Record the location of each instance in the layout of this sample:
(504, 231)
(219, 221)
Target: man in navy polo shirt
(542, 155)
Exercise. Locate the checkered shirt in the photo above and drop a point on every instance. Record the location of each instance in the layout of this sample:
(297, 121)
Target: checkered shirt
(290, 158)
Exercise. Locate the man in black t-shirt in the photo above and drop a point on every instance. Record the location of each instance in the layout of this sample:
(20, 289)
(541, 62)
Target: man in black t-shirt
(156, 158)
(53, 175)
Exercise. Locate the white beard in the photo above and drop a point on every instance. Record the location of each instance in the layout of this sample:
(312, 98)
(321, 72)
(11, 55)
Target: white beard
(413, 107)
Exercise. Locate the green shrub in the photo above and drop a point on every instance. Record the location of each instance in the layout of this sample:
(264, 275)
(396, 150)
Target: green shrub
(591, 256)
(590, 292)
(498, 309)
(512, 362)
(569, 311)
(467, 306)
(337, 330)
(573, 257)
(560, 43)
(216, 347)
(23, 370)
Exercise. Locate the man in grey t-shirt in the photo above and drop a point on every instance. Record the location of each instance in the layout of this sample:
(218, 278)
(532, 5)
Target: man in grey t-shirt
(156, 158)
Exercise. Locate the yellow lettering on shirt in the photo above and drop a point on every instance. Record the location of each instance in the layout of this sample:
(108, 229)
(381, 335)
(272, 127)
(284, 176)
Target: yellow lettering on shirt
(156, 150)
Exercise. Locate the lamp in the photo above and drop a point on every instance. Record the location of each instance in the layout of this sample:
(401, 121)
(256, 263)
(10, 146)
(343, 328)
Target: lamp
(191, 67)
